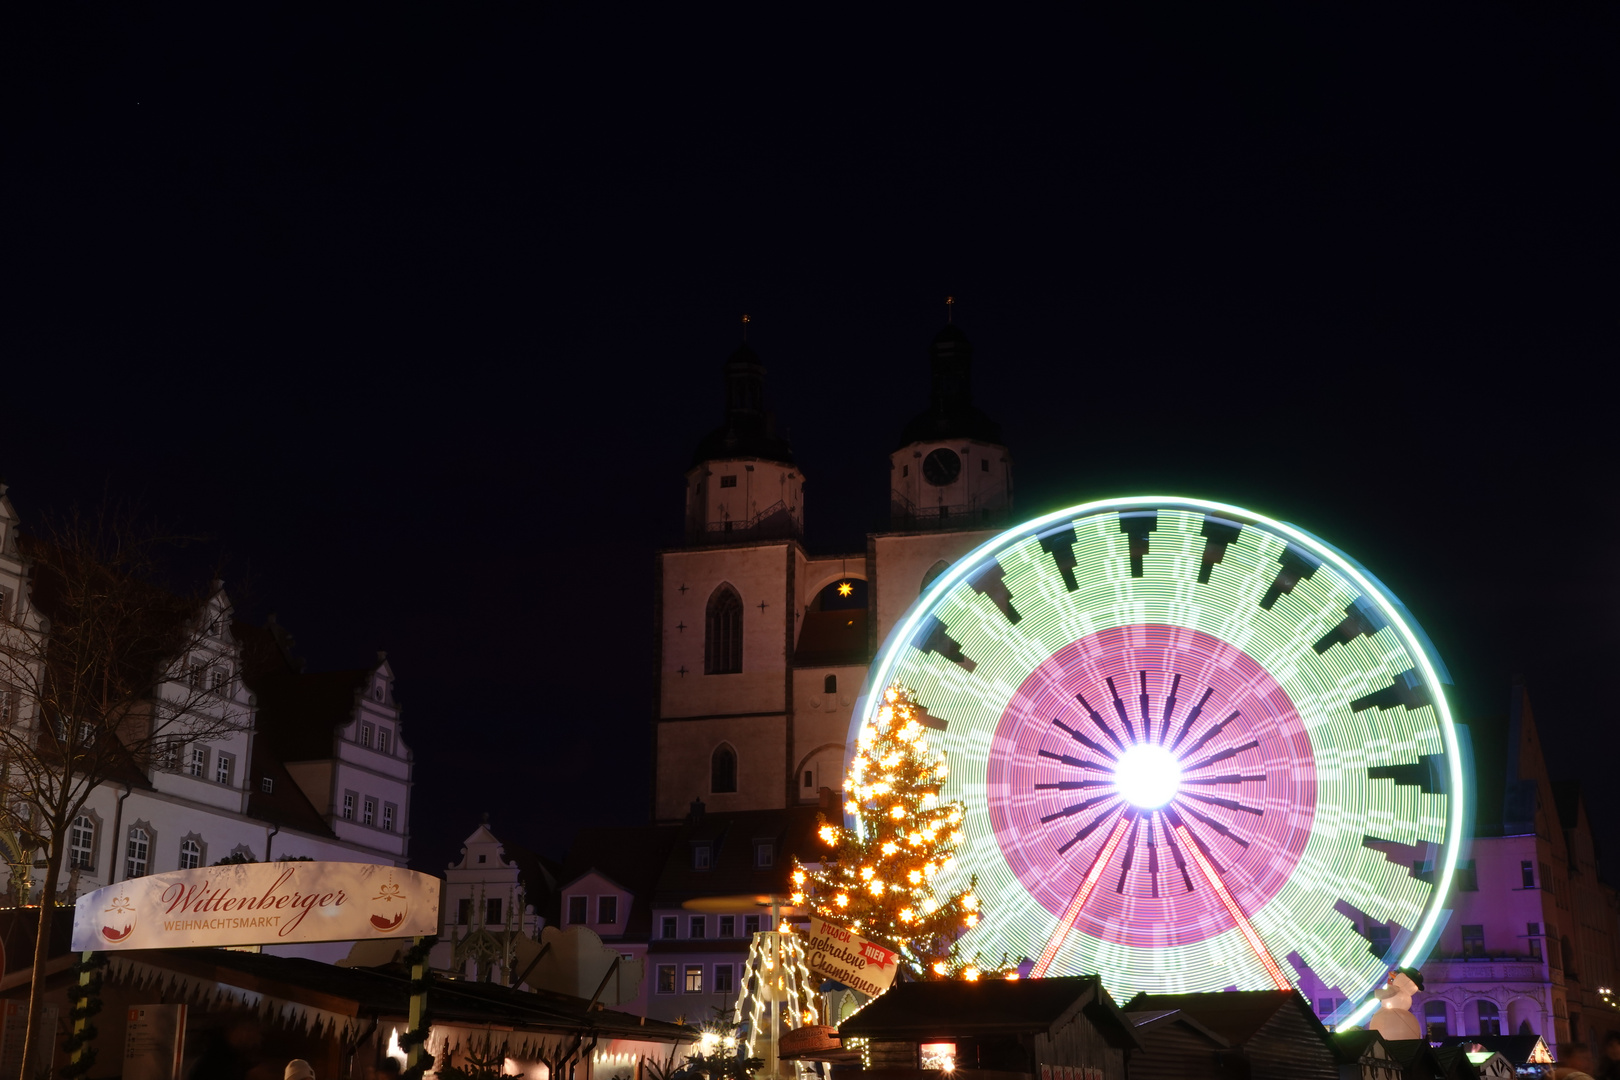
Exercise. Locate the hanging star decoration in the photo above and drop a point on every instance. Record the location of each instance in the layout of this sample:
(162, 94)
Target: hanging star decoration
(887, 878)
(845, 588)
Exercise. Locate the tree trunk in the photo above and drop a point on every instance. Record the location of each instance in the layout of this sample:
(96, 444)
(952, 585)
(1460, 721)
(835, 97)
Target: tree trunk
(42, 953)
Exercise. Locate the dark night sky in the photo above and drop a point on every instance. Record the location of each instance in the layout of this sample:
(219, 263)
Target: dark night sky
(420, 314)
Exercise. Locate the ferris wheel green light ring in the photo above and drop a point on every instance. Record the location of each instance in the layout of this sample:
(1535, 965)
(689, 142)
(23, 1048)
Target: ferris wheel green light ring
(1413, 641)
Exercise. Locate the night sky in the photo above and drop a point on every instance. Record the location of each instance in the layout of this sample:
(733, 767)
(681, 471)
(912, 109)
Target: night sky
(418, 314)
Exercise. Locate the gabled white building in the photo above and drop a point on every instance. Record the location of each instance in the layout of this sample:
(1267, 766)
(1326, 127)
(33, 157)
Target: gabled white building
(489, 909)
(309, 766)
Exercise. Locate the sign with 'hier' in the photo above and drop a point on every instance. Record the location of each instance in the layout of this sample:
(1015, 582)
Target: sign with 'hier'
(258, 904)
(845, 956)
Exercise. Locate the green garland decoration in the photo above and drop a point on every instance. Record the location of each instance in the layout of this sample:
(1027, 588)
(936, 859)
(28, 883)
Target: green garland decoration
(418, 954)
(85, 1002)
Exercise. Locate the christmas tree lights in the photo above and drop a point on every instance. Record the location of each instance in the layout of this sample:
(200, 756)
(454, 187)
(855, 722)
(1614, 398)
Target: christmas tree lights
(878, 878)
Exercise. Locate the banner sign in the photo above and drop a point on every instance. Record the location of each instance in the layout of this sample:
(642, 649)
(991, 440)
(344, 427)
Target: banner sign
(846, 957)
(258, 904)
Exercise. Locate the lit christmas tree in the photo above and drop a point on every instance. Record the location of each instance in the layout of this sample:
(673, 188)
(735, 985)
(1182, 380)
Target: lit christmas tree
(878, 878)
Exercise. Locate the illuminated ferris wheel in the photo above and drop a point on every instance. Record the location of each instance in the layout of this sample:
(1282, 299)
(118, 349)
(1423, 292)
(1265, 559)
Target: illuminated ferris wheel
(1199, 749)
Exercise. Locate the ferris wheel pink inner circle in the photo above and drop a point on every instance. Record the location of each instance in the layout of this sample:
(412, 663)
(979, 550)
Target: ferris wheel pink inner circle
(1065, 755)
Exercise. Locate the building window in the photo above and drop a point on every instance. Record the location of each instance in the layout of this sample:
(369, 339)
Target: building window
(365, 734)
(728, 926)
(723, 770)
(750, 925)
(1533, 932)
(722, 639)
(136, 856)
(701, 857)
(194, 676)
(576, 909)
(722, 978)
(666, 978)
(1547, 880)
(348, 806)
(190, 854)
(607, 909)
(1490, 1018)
(388, 816)
(464, 911)
(1467, 877)
(1527, 874)
(764, 855)
(383, 739)
(368, 812)
(1473, 939)
(220, 680)
(224, 764)
(809, 779)
(1378, 938)
(1434, 1020)
(378, 692)
(267, 785)
(82, 843)
(694, 978)
(728, 481)
(699, 927)
(984, 464)
(197, 761)
(670, 927)
(492, 911)
(829, 685)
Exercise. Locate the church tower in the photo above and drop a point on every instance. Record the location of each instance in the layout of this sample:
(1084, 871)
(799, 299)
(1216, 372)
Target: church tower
(950, 488)
(742, 482)
(763, 646)
(951, 470)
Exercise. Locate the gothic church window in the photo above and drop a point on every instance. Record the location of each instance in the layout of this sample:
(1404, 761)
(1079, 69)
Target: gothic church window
(829, 685)
(723, 770)
(933, 572)
(190, 854)
(722, 639)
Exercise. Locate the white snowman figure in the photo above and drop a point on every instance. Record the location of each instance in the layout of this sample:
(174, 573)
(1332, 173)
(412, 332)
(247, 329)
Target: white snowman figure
(1394, 1019)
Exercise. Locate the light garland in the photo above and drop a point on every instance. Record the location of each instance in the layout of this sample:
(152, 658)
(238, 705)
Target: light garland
(776, 974)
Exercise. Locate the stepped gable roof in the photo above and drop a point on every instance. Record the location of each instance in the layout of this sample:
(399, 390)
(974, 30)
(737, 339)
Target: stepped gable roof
(631, 857)
(749, 430)
(951, 413)
(732, 835)
(951, 1007)
(1235, 1015)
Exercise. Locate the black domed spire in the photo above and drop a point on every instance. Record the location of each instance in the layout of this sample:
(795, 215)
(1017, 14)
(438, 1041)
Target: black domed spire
(749, 431)
(951, 413)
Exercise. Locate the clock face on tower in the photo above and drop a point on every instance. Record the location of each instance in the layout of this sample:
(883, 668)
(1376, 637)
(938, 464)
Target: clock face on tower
(941, 467)
(1199, 750)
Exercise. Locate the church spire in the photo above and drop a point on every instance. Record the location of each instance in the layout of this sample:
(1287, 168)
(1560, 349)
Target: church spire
(748, 429)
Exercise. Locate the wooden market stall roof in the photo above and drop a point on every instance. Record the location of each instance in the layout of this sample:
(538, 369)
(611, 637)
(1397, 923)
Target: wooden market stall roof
(362, 994)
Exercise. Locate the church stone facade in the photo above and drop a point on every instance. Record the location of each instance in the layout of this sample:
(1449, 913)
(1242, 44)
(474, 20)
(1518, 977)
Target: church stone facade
(762, 644)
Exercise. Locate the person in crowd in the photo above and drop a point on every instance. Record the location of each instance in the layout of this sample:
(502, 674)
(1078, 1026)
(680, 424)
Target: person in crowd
(299, 1069)
(1575, 1062)
(1609, 1067)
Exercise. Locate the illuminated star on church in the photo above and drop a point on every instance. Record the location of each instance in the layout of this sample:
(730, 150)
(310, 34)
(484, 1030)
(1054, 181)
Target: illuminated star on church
(845, 588)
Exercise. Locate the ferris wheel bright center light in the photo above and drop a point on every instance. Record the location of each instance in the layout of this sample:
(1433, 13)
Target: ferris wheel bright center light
(1148, 776)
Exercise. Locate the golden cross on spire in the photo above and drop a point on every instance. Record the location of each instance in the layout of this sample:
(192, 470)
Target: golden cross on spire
(745, 321)
(950, 302)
